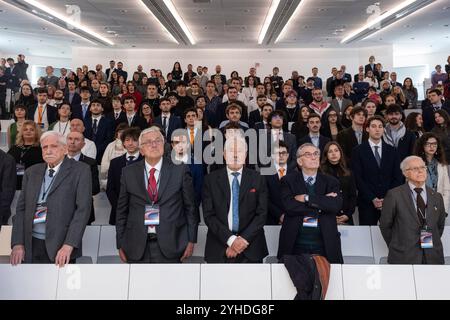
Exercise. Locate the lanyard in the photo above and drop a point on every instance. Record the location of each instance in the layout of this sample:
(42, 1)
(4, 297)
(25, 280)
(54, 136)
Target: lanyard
(45, 191)
(41, 115)
(65, 128)
(23, 151)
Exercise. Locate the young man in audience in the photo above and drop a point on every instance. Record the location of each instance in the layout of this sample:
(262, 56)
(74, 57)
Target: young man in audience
(234, 114)
(264, 123)
(355, 135)
(131, 117)
(89, 149)
(152, 99)
(314, 124)
(376, 167)
(255, 115)
(260, 90)
(232, 98)
(42, 113)
(166, 120)
(319, 105)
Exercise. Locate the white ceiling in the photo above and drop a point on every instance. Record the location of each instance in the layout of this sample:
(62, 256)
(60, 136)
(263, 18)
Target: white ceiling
(221, 24)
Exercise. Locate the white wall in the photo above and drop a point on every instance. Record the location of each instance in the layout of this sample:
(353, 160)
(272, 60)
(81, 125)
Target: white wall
(287, 60)
(421, 56)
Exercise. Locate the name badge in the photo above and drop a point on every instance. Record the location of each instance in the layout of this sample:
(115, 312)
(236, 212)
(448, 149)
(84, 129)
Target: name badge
(40, 216)
(20, 169)
(310, 222)
(151, 215)
(42, 125)
(426, 239)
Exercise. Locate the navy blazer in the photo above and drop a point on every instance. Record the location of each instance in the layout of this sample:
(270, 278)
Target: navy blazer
(373, 181)
(113, 183)
(326, 208)
(288, 138)
(174, 123)
(322, 142)
(254, 118)
(50, 112)
(105, 134)
(76, 99)
(138, 121)
(428, 115)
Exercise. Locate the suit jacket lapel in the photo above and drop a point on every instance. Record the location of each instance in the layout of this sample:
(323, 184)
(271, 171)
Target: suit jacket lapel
(141, 176)
(164, 177)
(245, 184)
(64, 170)
(431, 205)
(224, 185)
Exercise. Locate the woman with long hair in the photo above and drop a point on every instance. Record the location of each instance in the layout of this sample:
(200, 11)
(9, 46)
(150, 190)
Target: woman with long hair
(370, 107)
(20, 115)
(333, 163)
(177, 72)
(26, 97)
(249, 90)
(400, 97)
(63, 123)
(299, 128)
(333, 125)
(414, 123)
(410, 92)
(442, 129)
(430, 149)
(27, 150)
(147, 113)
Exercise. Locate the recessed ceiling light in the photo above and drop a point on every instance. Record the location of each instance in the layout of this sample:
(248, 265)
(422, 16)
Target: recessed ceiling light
(110, 31)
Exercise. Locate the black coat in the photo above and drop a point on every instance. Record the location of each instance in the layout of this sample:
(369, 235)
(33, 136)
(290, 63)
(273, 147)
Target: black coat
(104, 135)
(348, 141)
(326, 208)
(322, 142)
(95, 181)
(252, 214)
(7, 185)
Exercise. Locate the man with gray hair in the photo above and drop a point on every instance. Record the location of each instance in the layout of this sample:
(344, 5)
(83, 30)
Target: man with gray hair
(156, 216)
(413, 218)
(311, 200)
(53, 208)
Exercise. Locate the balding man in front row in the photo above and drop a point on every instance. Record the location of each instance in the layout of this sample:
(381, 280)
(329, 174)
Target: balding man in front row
(53, 207)
(413, 218)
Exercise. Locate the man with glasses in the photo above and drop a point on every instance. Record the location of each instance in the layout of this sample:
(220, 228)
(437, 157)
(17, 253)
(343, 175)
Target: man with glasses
(375, 165)
(311, 202)
(156, 222)
(413, 218)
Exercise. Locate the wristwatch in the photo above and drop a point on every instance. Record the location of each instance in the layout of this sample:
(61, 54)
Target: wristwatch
(306, 198)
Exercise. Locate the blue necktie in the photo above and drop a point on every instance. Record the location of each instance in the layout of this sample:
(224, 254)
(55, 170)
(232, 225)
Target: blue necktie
(309, 181)
(377, 156)
(235, 208)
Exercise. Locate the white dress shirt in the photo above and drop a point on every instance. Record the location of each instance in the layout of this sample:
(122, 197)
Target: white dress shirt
(135, 155)
(414, 193)
(274, 133)
(89, 149)
(230, 210)
(148, 167)
(75, 157)
(372, 145)
(44, 116)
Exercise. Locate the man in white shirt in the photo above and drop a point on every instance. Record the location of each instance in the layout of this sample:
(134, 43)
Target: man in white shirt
(235, 209)
(43, 114)
(241, 97)
(89, 149)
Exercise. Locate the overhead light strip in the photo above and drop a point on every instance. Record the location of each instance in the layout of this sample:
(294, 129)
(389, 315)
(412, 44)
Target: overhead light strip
(64, 18)
(269, 17)
(162, 25)
(395, 14)
(296, 12)
(179, 20)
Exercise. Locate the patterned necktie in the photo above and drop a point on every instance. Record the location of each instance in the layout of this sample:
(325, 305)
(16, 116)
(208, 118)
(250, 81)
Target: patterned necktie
(51, 172)
(420, 206)
(235, 201)
(152, 187)
(377, 156)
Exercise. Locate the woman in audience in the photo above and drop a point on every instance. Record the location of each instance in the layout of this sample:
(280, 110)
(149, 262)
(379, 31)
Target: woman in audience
(163, 89)
(113, 150)
(438, 77)
(177, 73)
(370, 79)
(63, 123)
(414, 123)
(249, 90)
(142, 87)
(26, 151)
(430, 149)
(410, 92)
(400, 97)
(386, 89)
(269, 90)
(26, 97)
(333, 125)
(132, 91)
(333, 163)
(346, 121)
(234, 74)
(349, 93)
(299, 128)
(136, 81)
(123, 90)
(146, 113)
(370, 107)
(447, 66)
(442, 129)
(20, 115)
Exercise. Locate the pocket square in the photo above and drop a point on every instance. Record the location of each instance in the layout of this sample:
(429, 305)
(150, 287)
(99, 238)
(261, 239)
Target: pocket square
(253, 190)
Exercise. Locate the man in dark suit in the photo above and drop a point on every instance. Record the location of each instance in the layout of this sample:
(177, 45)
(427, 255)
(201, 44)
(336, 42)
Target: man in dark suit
(53, 208)
(314, 136)
(355, 135)
(71, 94)
(110, 70)
(413, 215)
(157, 219)
(255, 115)
(312, 201)
(235, 209)
(131, 117)
(7, 186)
(339, 103)
(376, 167)
(166, 120)
(99, 128)
(81, 110)
(221, 114)
(75, 142)
(120, 71)
(330, 82)
(396, 134)
(276, 210)
(223, 78)
(130, 141)
(117, 114)
(436, 102)
(371, 66)
(42, 113)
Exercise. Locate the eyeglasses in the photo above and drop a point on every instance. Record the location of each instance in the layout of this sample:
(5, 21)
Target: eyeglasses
(431, 144)
(310, 155)
(417, 169)
(156, 142)
(283, 153)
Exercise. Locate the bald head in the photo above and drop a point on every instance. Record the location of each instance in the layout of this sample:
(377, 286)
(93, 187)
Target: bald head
(76, 125)
(75, 142)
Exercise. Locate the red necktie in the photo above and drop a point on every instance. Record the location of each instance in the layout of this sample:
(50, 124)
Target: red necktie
(152, 187)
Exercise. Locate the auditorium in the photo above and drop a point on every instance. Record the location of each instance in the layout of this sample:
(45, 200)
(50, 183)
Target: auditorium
(241, 152)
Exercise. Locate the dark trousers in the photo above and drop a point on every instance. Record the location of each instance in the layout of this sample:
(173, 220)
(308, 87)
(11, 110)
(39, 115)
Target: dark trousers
(153, 254)
(368, 215)
(39, 253)
(300, 250)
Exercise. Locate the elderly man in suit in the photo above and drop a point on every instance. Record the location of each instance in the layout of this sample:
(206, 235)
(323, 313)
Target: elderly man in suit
(235, 209)
(53, 208)
(7, 186)
(413, 218)
(312, 201)
(157, 219)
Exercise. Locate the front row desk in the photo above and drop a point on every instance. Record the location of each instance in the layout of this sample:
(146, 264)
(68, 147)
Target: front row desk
(100, 275)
